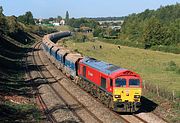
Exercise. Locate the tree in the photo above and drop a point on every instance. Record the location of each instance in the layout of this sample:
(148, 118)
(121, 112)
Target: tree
(98, 32)
(13, 25)
(1, 10)
(3, 22)
(27, 18)
(174, 33)
(154, 33)
(59, 18)
(67, 16)
(153, 27)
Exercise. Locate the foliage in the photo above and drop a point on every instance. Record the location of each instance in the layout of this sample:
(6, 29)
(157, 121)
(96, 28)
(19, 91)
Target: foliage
(13, 112)
(172, 66)
(170, 48)
(3, 22)
(18, 26)
(13, 25)
(77, 23)
(1, 10)
(107, 18)
(154, 35)
(40, 30)
(27, 18)
(98, 32)
(81, 37)
(153, 27)
(67, 16)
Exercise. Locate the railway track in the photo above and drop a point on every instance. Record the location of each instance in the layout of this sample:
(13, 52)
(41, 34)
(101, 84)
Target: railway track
(38, 97)
(123, 117)
(42, 75)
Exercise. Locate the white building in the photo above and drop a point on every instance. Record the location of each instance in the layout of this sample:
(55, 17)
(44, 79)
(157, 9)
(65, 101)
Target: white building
(62, 22)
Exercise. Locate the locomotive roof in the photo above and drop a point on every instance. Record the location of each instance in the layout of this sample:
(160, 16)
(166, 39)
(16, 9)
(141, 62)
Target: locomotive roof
(101, 65)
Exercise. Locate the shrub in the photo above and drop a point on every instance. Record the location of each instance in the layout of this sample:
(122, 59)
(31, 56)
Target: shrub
(171, 66)
(178, 70)
(171, 49)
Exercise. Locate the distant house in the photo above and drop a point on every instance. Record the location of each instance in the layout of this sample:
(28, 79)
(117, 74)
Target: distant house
(62, 22)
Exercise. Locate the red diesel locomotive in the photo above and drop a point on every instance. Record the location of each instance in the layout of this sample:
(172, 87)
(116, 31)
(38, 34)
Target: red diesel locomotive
(118, 88)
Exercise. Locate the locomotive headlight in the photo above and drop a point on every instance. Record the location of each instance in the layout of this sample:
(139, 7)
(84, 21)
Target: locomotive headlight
(117, 96)
(136, 96)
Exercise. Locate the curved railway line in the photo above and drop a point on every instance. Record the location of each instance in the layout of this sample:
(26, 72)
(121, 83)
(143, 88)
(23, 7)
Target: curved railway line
(82, 115)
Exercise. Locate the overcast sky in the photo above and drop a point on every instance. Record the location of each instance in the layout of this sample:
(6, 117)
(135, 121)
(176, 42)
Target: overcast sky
(80, 8)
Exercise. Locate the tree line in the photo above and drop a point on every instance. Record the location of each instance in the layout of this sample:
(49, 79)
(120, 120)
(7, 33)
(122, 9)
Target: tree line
(108, 18)
(19, 27)
(153, 27)
(12, 25)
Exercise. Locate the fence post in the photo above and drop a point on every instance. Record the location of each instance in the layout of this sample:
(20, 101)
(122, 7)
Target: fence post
(157, 90)
(144, 85)
(173, 94)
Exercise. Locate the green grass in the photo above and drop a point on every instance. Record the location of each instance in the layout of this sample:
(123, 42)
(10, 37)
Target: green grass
(11, 112)
(151, 65)
(62, 28)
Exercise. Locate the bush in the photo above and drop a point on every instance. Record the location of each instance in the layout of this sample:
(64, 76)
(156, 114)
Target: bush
(178, 70)
(81, 37)
(171, 49)
(172, 66)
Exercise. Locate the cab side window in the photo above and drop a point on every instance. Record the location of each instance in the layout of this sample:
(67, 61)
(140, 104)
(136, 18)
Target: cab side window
(103, 82)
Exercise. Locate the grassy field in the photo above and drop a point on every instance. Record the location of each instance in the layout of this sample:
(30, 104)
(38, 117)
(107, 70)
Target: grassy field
(151, 65)
(62, 28)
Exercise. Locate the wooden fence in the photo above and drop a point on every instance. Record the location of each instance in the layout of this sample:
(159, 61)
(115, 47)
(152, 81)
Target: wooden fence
(160, 91)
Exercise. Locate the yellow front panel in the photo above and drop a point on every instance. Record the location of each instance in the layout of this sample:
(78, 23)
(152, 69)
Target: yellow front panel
(127, 94)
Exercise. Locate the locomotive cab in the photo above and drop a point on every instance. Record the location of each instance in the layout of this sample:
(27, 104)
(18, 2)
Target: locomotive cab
(127, 93)
(118, 88)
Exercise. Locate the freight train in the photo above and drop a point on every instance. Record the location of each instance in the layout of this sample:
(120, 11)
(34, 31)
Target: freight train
(118, 88)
